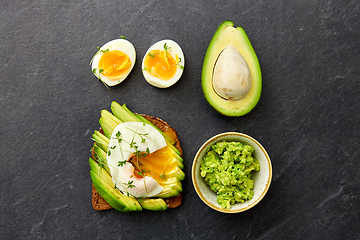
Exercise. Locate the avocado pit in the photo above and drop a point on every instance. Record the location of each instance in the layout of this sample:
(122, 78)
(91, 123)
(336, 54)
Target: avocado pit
(231, 75)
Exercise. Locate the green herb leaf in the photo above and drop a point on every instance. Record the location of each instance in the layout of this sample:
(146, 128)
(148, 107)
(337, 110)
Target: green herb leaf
(166, 47)
(121, 163)
(130, 185)
(152, 55)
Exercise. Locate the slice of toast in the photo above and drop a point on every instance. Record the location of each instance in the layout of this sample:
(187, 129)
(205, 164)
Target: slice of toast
(99, 203)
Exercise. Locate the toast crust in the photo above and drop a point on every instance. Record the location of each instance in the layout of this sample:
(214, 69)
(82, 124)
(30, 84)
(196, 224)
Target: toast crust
(100, 204)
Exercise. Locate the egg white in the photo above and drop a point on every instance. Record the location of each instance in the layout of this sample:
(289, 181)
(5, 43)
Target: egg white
(121, 175)
(117, 44)
(174, 49)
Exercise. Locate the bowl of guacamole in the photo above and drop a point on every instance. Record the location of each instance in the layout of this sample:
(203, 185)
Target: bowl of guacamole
(231, 172)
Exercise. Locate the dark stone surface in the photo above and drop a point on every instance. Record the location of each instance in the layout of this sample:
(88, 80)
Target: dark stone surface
(307, 118)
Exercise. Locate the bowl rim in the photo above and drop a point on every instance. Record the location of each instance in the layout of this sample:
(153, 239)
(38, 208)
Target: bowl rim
(213, 140)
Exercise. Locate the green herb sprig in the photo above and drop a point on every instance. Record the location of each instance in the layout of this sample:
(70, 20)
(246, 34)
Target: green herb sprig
(100, 70)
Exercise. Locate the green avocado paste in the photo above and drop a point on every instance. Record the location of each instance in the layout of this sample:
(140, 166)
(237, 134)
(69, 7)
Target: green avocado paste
(226, 168)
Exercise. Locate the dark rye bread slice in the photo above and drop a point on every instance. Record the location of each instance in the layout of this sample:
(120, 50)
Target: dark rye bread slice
(99, 203)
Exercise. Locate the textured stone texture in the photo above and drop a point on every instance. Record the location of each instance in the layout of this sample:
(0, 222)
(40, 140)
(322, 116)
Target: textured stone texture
(307, 118)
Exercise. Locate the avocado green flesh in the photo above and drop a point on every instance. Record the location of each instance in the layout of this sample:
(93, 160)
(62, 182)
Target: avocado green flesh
(157, 204)
(106, 189)
(227, 35)
(101, 176)
(101, 140)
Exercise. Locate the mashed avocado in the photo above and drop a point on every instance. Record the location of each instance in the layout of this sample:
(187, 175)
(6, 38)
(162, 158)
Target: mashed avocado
(226, 168)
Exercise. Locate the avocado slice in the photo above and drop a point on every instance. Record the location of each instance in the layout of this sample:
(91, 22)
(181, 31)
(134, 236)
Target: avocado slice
(227, 35)
(157, 204)
(104, 185)
(101, 140)
(172, 187)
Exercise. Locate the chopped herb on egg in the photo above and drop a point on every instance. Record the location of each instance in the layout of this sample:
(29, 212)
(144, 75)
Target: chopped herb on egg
(121, 163)
(146, 69)
(129, 184)
(99, 78)
(99, 51)
(166, 47)
(152, 55)
(118, 134)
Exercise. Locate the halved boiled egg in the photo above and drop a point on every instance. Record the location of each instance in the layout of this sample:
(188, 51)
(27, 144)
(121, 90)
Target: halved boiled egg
(163, 63)
(114, 61)
(128, 142)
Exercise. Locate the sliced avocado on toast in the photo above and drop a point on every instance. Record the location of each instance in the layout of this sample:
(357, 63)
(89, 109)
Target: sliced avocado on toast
(101, 175)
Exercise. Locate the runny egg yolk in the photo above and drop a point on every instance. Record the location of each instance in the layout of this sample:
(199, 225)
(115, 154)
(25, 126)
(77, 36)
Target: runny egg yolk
(160, 64)
(155, 165)
(114, 64)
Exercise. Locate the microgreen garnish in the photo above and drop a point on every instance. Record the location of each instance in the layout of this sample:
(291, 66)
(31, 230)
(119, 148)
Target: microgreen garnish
(99, 78)
(129, 184)
(140, 135)
(122, 37)
(166, 47)
(121, 163)
(178, 64)
(118, 134)
(146, 69)
(152, 55)
(109, 152)
(100, 70)
(136, 152)
(99, 51)
(104, 51)
(142, 172)
(101, 161)
(181, 67)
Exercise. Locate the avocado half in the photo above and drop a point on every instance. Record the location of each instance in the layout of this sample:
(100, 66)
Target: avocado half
(227, 35)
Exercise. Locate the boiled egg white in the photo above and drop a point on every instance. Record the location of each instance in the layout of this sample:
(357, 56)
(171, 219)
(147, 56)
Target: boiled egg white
(113, 62)
(126, 139)
(163, 64)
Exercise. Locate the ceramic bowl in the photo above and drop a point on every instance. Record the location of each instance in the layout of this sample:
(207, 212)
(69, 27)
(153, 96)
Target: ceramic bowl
(262, 178)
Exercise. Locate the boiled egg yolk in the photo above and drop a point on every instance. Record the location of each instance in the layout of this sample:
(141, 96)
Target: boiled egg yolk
(155, 164)
(114, 64)
(161, 64)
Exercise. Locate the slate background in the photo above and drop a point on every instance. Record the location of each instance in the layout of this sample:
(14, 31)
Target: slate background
(307, 118)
